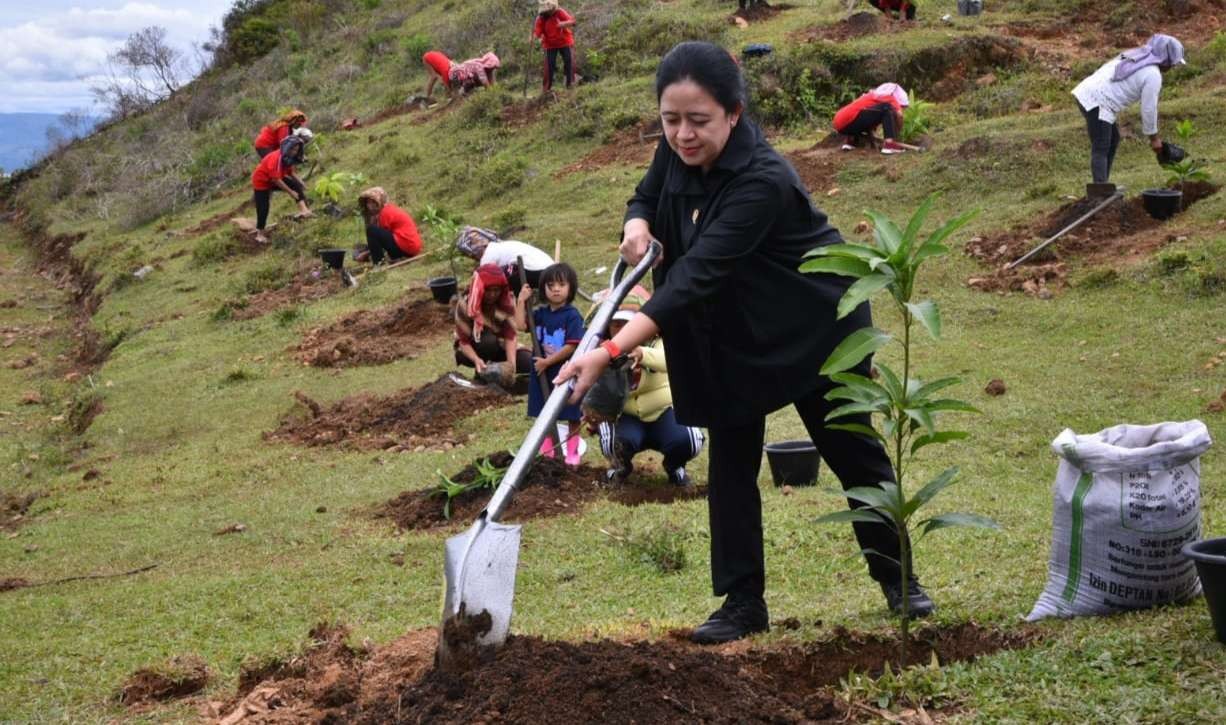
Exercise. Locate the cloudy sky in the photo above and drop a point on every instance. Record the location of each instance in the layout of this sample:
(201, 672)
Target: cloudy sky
(49, 49)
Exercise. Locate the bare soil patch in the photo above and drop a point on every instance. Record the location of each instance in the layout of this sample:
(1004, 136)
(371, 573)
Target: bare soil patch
(546, 681)
(551, 488)
(309, 282)
(377, 337)
(818, 165)
(632, 146)
(14, 507)
(410, 419)
(856, 25)
(218, 220)
(179, 677)
(759, 12)
(1120, 234)
(525, 112)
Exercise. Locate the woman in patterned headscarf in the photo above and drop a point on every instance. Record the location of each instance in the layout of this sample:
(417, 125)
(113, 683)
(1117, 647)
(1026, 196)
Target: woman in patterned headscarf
(1134, 75)
(390, 231)
(459, 76)
(273, 134)
(485, 327)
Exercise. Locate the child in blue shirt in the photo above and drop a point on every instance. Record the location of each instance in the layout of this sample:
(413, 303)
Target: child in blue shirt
(559, 328)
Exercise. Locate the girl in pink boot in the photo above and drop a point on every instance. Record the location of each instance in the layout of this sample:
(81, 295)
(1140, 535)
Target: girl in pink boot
(559, 327)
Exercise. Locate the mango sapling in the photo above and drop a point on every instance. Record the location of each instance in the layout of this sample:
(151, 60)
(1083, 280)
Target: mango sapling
(907, 405)
(1187, 169)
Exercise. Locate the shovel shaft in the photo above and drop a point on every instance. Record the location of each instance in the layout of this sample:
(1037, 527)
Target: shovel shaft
(621, 284)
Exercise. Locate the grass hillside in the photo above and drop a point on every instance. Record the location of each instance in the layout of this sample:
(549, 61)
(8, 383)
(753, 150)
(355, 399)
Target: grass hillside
(136, 408)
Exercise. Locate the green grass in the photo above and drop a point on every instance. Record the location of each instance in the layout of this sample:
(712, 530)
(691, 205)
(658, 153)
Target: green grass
(187, 397)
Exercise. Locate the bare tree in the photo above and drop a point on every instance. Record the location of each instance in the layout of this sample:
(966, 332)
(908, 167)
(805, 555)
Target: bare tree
(145, 70)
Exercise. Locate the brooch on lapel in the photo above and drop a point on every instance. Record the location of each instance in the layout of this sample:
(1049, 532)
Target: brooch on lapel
(694, 217)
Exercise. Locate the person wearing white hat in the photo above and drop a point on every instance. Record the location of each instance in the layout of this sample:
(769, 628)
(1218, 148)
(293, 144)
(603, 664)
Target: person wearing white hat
(552, 30)
(882, 106)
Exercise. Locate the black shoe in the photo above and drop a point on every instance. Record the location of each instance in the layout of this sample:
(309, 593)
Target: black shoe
(621, 465)
(678, 477)
(919, 604)
(741, 616)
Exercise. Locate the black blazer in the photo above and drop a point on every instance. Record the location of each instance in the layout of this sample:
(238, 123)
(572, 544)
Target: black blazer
(744, 331)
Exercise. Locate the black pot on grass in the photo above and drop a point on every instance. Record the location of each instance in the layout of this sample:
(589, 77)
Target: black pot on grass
(442, 288)
(1162, 203)
(334, 258)
(1210, 558)
(792, 463)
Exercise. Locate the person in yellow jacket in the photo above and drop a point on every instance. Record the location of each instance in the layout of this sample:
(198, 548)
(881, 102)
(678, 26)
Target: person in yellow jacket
(647, 421)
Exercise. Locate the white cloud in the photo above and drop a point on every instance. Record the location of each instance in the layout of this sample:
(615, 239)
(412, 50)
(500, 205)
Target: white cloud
(44, 58)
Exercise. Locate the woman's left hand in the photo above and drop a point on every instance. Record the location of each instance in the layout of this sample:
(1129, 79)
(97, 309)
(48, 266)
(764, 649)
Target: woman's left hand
(585, 370)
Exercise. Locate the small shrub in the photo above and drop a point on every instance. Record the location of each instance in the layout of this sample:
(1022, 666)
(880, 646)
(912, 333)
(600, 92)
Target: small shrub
(484, 107)
(253, 39)
(237, 375)
(1042, 191)
(225, 312)
(916, 119)
(1100, 278)
(214, 249)
(268, 277)
(1171, 262)
(414, 47)
(509, 219)
(370, 4)
(663, 548)
(288, 316)
(84, 406)
(501, 174)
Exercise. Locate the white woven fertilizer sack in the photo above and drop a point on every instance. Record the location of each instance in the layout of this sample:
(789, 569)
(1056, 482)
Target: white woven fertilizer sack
(1126, 499)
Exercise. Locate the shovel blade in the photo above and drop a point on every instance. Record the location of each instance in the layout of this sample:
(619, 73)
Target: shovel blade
(480, 567)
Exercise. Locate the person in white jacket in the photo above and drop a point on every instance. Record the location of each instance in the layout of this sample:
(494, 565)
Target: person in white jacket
(1136, 75)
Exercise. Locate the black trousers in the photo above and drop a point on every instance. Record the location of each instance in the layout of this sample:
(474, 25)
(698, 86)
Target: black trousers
(532, 275)
(491, 348)
(568, 65)
(735, 505)
(1104, 140)
(870, 118)
(263, 199)
(382, 242)
(264, 152)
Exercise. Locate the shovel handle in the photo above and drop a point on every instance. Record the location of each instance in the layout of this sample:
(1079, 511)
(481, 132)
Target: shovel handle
(621, 284)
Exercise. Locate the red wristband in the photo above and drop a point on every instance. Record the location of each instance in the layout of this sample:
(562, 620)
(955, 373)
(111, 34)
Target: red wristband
(611, 347)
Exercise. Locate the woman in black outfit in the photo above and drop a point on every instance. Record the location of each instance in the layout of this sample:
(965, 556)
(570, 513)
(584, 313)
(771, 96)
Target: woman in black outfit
(744, 331)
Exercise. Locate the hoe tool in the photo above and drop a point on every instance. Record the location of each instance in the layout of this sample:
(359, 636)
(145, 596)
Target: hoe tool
(480, 564)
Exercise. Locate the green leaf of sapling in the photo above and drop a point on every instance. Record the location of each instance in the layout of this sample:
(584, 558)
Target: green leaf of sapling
(854, 348)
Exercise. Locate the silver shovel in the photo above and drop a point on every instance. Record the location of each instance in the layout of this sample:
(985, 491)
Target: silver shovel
(480, 564)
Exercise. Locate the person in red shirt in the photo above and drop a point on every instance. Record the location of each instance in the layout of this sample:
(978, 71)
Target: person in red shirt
(899, 8)
(881, 106)
(390, 230)
(273, 134)
(269, 175)
(552, 30)
(462, 77)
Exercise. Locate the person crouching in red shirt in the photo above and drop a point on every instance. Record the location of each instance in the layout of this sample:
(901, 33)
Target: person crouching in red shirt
(390, 230)
(881, 106)
(553, 30)
(273, 134)
(269, 175)
(898, 8)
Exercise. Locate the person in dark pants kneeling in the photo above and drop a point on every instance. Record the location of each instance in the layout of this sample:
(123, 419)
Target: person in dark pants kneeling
(745, 331)
(390, 231)
(882, 107)
(485, 326)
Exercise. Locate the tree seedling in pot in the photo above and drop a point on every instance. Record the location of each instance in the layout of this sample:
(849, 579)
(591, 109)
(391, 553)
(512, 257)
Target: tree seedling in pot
(908, 407)
(1187, 169)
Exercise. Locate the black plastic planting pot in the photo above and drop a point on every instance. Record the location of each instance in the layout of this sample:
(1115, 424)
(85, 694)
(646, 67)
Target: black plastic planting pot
(442, 288)
(1210, 558)
(1162, 203)
(334, 258)
(792, 463)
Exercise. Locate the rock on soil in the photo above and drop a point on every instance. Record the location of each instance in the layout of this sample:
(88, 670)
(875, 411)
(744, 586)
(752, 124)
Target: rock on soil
(550, 488)
(413, 418)
(1121, 232)
(995, 387)
(533, 680)
(179, 677)
(377, 337)
(14, 507)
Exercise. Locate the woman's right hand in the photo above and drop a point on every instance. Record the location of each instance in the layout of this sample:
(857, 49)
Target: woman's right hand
(585, 370)
(636, 239)
(479, 364)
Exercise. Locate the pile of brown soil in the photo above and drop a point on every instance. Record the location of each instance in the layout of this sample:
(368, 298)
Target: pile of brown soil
(1120, 234)
(411, 419)
(759, 12)
(632, 146)
(179, 677)
(218, 220)
(818, 166)
(376, 337)
(310, 282)
(856, 25)
(543, 681)
(13, 508)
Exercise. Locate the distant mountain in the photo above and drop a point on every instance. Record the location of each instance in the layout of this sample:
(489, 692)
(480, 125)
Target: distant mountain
(23, 137)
